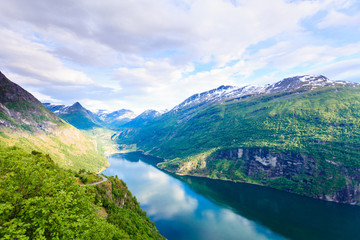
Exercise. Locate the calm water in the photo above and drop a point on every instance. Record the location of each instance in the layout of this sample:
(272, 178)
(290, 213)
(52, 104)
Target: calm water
(199, 208)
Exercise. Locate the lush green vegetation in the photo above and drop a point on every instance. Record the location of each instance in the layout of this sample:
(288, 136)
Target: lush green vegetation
(124, 211)
(103, 137)
(87, 178)
(328, 118)
(79, 119)
(39, 200)
(323, 124)
(68, 147)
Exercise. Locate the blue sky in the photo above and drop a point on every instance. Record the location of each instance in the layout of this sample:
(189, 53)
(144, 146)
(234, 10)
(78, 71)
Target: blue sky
(152, 54)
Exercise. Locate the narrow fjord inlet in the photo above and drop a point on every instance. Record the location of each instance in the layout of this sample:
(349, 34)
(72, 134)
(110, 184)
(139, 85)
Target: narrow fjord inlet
(184, 207)
(180, 120)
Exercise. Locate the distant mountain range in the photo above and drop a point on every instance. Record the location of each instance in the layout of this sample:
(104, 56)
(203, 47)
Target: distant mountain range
(300, 135)
(142, 119)
(43, 161)
(225, 93)
(26, 123)
(82, 118)
(85, 119)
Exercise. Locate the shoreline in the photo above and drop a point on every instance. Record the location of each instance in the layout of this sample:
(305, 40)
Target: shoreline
(229, 180)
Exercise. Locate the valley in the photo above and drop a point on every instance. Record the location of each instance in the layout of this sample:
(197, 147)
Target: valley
(180, 120)
(185, 207)
(45, 164)
(298, 135)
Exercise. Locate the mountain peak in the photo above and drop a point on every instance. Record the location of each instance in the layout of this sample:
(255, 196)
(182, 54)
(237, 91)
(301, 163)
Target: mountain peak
(305, 82)
(77, 105)
(224, 93)
(83, 118)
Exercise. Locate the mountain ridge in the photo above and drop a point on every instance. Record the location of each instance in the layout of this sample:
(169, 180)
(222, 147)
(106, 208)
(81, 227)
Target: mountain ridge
(223, 93)
(20, 109)
(85, 119)
(300, 139)
(25, 122)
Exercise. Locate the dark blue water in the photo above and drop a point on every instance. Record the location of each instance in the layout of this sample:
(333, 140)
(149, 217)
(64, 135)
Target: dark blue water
(185, 207)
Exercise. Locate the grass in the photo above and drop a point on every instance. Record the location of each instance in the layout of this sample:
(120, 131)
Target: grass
(67, 146)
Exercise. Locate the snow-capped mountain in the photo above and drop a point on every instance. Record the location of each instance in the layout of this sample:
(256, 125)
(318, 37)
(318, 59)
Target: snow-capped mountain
(115, 119)
(53, 107)
(306, 82)
(218, 94)
(83, 118)
(143, 118)
(75, 114)
(62, 109)
(223, 93)
(109, 117)
(149, 114)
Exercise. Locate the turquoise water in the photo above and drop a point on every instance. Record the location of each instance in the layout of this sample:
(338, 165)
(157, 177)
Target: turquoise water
(185, 207)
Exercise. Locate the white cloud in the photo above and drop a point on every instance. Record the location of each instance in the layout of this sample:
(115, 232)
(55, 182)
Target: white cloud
(342, 70)
(34, 63)
(149, 54)
(335, 18)
(44, 98)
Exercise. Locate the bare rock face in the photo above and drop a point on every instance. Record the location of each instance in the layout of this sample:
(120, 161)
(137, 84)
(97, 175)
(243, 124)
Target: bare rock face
(297, 171)
(21, 110)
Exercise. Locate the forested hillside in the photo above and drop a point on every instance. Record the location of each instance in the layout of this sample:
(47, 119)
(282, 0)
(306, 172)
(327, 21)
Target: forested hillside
(39, 200)
(303, 141)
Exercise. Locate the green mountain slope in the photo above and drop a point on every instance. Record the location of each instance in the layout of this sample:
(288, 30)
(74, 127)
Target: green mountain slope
(39, 200)
(79, 117)
(25, 122)
(303, 141)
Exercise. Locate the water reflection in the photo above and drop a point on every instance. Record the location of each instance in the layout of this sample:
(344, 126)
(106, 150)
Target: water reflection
(291, 215)
(178, 211)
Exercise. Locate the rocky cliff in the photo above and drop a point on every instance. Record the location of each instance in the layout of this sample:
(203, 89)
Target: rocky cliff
(288, 171)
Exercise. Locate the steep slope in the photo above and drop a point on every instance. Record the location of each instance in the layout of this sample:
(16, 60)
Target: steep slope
(21, 110)
(25, 122)
(39, 200)
(300, 135)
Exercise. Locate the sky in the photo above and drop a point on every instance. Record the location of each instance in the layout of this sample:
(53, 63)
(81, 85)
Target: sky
(153, 54)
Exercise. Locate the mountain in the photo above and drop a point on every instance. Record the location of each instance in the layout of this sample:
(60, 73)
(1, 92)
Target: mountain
(21, 110)
(44, 200)
(83, 118)
(298, 135)
(143, 118)
(54, 108)
(225, 93)
(114, 120)
(25, 122)
(76, 115)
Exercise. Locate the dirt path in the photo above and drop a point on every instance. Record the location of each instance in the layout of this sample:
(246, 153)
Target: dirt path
(96, 183)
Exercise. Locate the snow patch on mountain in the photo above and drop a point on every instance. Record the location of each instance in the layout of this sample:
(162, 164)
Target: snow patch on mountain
(223, 93)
